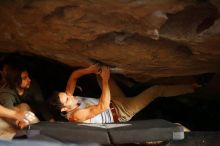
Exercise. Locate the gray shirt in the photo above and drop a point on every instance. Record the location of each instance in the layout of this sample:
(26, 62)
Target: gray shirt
(9, 98)
(104, 117)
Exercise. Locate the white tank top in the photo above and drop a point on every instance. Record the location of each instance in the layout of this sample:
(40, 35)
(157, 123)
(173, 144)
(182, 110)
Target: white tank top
(104, 117)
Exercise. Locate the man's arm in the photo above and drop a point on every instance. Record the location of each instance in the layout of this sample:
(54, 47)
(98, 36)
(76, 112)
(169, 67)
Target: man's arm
(71, 84)
(82, 115)
(9, 113)
(8, 110)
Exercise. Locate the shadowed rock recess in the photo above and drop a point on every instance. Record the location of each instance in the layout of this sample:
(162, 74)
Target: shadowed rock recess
(154, 41)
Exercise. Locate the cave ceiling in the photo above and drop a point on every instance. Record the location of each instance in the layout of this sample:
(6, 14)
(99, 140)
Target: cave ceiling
(141, 39)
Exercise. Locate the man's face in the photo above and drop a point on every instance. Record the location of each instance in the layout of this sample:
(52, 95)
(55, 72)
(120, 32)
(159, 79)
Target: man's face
(25, 80)
(68, 102)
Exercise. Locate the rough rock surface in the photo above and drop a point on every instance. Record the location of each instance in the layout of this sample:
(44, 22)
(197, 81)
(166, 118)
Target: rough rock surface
(142, 39)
